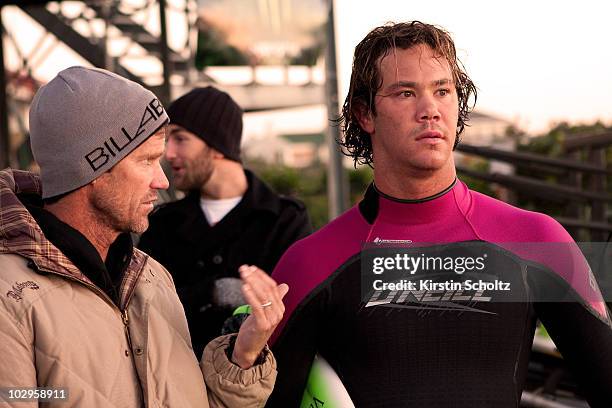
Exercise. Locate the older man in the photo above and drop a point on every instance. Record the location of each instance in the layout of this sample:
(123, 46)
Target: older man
(84, 313)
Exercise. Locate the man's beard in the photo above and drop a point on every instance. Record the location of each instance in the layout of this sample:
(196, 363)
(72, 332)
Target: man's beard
(195, 175)
(119, 219)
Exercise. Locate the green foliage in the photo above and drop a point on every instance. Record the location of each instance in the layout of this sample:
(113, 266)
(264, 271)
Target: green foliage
(309, 185)
(214, 50)
(318, 212)
(551, 144)
(283, 180)
(309, 55)
(475, 184)
(359, 180)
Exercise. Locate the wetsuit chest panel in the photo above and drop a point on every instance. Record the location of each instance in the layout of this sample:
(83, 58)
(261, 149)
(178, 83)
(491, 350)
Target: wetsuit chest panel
(397, 354)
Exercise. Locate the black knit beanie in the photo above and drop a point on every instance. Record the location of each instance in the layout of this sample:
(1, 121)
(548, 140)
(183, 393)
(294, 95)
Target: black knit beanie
(213, 116)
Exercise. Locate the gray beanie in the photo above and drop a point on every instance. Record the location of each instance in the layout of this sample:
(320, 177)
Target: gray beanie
(84, 121)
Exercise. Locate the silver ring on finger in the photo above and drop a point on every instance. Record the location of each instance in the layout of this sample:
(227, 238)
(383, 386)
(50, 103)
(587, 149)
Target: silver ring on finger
(268, 303)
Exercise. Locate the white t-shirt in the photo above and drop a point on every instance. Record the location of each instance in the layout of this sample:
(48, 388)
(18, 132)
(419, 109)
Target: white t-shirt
(215, 210)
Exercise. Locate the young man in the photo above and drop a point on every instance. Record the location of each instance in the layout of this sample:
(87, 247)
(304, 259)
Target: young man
(407, 105)
(228, 218)
(82, 311)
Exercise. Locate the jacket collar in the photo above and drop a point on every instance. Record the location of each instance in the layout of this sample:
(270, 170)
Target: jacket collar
(192, 226)
(107, 274)
(20, 234)
(258, 196)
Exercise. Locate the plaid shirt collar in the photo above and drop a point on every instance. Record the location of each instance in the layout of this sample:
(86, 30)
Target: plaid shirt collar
(21, 235)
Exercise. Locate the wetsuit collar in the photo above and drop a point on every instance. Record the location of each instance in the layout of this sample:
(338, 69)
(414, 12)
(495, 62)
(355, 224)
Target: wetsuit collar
(446, 203)
(417, 201)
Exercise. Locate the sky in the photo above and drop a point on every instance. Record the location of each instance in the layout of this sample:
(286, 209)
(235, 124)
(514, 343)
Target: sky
(534, 62)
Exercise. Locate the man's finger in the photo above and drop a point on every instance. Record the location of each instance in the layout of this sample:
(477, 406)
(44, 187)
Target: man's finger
(263, 288)
(282, 290)
(261, 279)
(256, 308)
(266, 291)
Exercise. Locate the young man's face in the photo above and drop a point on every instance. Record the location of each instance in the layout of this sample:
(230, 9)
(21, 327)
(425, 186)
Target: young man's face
(190, 158)
(417, 109)
(124, 196)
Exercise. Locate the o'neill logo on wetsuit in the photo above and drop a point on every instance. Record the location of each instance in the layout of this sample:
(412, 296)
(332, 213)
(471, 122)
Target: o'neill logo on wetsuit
(430, 300)
(99, 156)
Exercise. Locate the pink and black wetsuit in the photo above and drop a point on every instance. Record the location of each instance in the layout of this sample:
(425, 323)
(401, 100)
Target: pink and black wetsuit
(423, 356)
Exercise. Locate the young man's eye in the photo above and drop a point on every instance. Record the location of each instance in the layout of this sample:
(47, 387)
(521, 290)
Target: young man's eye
(176, 138)
(443, 92)
(406, 94)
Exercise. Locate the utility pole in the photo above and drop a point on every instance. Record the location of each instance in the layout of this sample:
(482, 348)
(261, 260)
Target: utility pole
(4, 131)
(337, 185)
(106, 16)
(165, 54)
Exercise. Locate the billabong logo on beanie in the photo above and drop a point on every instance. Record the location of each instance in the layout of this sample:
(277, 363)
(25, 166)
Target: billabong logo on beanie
(86, 120)
(99, 156)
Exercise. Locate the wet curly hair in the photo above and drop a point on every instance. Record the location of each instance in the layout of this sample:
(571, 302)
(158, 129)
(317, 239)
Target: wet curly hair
(366, 80)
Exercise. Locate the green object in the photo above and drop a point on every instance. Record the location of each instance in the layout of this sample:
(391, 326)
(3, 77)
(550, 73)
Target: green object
(543, 332)
(244, 309)
(324, 388)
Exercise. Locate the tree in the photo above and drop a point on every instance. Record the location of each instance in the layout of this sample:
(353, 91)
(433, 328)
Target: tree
(213, 48)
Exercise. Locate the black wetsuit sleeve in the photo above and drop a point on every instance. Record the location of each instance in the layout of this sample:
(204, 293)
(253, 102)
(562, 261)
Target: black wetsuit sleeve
(295, 350)
(585, 341)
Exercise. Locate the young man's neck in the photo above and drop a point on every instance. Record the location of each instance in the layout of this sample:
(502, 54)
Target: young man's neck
(227, 181)
(414, 186)
(73, 211)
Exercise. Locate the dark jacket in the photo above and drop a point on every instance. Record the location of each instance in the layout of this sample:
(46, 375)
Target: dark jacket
(257, 231)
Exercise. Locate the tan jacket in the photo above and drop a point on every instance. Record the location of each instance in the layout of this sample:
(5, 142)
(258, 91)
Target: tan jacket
(57, 329)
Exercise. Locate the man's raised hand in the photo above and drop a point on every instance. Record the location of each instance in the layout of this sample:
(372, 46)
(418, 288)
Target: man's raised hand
(266, 300)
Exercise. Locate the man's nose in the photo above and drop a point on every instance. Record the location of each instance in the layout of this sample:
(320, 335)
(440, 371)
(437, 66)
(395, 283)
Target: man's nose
(160, 182)
(428, 109)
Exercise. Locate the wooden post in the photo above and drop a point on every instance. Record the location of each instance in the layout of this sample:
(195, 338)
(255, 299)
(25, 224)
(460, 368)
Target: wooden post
(597, 183)
(574, 209)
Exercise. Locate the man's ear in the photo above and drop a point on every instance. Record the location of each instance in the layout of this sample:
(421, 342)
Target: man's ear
(216, 154)
(364, 117)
